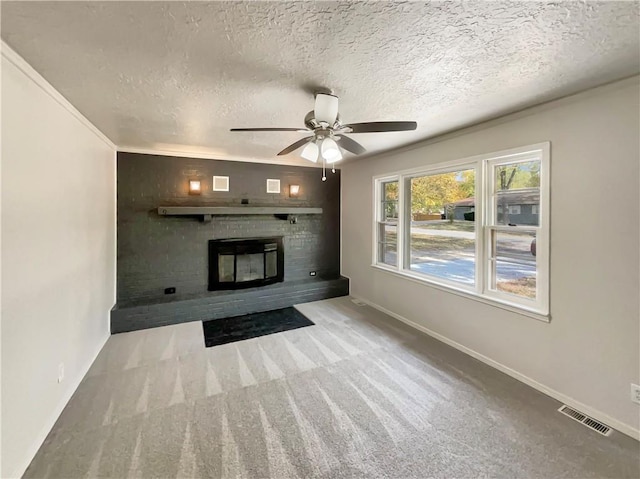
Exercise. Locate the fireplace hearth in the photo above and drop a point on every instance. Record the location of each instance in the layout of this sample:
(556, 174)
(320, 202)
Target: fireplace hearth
(245, 263)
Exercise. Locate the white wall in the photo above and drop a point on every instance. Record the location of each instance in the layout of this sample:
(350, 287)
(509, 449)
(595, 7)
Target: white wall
(590, 351)
(58, 255)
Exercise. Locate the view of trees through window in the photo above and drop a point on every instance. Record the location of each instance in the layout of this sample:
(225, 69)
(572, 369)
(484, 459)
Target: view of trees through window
(443, 237)
(479, 226)
(518, 175)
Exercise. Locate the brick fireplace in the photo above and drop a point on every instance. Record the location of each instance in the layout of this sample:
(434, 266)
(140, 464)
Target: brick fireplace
(157, 253)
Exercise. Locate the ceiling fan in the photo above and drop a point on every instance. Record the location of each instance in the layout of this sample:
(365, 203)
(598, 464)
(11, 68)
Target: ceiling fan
(328, 136)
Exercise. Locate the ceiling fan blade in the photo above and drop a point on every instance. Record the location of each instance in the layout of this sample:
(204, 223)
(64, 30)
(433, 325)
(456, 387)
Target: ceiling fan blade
(296, 145)
(382, 126)
(302, 130)
(326, 108)
(350, 145)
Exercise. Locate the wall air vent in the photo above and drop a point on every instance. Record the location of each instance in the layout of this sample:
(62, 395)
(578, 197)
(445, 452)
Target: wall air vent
(586, 420)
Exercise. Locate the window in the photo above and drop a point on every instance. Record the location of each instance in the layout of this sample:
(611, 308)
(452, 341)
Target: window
(512, 262)
(387, 223)
(442, 236)
(478, 226)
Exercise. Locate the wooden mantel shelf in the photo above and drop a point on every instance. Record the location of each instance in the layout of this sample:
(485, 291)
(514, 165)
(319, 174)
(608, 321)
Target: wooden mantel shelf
(285, 212)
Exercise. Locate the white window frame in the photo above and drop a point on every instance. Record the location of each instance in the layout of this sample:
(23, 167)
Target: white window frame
(377, 202)
(439, 169)
(483, 165)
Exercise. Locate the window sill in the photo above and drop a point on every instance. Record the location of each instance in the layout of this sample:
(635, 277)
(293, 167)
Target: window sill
(546, 318)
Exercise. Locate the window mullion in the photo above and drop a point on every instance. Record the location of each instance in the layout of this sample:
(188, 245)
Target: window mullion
(407, 215)
(515, 229)
(482, 189)
(490, 201)
(401, 222)
(377, 184)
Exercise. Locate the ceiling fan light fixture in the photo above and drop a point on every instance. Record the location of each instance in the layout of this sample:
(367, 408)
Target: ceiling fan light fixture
(310, 152)
(325, 126)
(330, 150)
(335, 159)
(326, 108)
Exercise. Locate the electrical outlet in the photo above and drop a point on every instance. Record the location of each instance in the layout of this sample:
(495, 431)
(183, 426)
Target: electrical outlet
(60, 372)
(635, 393)
(312, 273)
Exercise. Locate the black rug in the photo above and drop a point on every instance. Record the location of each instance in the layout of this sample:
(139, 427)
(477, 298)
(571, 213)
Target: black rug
(238, 328)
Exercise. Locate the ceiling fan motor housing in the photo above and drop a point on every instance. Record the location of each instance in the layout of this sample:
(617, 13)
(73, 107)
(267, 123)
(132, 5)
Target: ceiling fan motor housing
(311, 122)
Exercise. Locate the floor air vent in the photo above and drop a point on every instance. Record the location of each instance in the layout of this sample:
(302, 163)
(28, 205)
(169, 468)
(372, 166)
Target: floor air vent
(358, 302)
(586, 420)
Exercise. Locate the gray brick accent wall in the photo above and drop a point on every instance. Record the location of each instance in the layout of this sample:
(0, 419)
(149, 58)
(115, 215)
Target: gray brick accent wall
(157, 252)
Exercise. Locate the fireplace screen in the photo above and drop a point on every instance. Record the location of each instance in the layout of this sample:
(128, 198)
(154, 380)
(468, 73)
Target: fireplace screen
(244, 263)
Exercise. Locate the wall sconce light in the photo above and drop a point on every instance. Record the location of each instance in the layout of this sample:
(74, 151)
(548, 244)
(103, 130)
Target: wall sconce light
(194, 187)
(294, 190)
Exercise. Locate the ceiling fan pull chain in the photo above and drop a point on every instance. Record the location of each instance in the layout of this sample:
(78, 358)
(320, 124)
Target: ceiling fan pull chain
(324, 173)
(333, 168)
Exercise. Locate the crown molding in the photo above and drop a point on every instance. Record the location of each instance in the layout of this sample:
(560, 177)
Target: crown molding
(20, 63)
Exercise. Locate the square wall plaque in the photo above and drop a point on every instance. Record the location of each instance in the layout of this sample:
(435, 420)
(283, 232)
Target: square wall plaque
(273, 186)
(220, 183)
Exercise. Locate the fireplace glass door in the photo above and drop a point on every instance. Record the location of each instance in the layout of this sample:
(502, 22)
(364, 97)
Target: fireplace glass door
(249, 267)
(243, 263)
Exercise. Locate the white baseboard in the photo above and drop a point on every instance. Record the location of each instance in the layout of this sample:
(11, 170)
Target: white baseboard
(46, 429)
(594, 413)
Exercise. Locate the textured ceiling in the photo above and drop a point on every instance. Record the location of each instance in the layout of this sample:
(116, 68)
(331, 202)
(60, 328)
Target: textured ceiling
(177, 76)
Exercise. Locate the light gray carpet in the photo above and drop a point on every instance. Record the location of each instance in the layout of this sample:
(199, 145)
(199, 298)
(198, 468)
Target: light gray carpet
(357, 395)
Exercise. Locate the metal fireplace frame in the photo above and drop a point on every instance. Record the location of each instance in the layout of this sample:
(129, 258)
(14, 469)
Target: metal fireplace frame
(240, 246)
